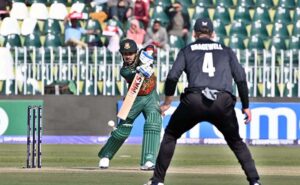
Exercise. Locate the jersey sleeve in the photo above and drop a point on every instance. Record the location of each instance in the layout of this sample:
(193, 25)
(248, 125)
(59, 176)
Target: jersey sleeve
(174, 74)
(127, 73)
(239, 77)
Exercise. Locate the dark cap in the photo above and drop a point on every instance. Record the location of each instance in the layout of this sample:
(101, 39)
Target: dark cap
(203, 23)
(128, 45)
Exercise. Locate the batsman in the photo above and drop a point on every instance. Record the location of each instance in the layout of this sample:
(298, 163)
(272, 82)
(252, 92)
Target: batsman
(146, 102)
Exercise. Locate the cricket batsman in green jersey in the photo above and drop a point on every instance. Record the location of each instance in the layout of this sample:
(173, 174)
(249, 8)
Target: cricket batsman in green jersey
(146, 102)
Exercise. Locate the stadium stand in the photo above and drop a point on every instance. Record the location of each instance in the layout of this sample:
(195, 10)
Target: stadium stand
(204, 3)
(251, 27)
(245, 3)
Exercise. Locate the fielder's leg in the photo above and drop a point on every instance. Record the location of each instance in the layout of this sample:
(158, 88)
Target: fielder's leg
(151, 140)
(181, 121)
(243, 155)
(228, 125)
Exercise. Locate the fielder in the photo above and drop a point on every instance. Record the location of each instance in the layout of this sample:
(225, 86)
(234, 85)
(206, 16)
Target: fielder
(147, 102)
(210, 67)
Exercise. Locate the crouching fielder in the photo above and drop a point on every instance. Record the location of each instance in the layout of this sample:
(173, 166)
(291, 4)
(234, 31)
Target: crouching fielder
(147, 103)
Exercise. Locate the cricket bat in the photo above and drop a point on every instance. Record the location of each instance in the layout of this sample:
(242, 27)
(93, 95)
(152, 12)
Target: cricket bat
(132, 93)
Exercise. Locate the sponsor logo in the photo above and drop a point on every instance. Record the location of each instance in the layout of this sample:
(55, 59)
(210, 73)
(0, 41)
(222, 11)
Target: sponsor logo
(136, 84)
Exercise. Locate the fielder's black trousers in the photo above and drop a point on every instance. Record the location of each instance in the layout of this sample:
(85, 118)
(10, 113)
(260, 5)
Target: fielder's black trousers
(194, 108)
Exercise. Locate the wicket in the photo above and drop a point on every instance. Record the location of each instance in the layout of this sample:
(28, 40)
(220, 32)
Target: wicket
(34, 140)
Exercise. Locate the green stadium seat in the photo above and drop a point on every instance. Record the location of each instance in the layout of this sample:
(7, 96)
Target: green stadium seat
(92, 24)
(219, 28)
(205, 3)
(242, 14)
(185, 3)
(291, 90)
(296, 16)
(238, 28)
(222, 14)
(93, 40)
(262, 14)
(53, 40)
(265, 3)
(32, 40)
(225, 3)
(291, 4)
(65, 2)
(219, 39)
(78, 1)
(296, 29)
(246, 3)
(190, 38)
(256, 42)
(12, 40)
(283, 15)
(163, 3)
(159, 14)
(176, 42)
(52, 26)
(200, 11)
(294, 43)
(236, 42)
(258, 28)
(280, 30)
(99, 8)
(278, 43)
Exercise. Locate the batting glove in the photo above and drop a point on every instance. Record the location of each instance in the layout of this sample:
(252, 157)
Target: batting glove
(146, 70)
(146, 58)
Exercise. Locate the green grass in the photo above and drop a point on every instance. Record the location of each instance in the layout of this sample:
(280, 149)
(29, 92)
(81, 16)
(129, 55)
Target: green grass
(77, 165)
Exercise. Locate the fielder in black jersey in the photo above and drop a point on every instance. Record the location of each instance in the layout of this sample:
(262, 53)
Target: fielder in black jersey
(210, 68)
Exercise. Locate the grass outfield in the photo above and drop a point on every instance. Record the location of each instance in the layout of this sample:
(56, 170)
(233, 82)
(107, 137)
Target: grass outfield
(192, 164)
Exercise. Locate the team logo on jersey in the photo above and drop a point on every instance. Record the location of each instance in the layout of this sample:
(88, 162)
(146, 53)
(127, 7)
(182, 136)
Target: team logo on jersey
(127, 45)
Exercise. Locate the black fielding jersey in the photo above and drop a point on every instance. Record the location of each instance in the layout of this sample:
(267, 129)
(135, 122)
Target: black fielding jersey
(206, 64)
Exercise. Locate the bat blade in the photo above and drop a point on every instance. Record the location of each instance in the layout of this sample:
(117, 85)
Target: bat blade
(130, 96)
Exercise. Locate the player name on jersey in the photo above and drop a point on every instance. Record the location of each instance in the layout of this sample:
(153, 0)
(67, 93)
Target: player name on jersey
(206, 47)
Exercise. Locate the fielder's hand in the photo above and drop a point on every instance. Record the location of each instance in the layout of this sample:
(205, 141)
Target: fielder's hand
(247, 112)
(146, 70)
(164, 108)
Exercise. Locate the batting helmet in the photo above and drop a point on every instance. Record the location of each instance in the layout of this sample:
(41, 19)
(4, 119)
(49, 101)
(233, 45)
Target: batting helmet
(128, 45)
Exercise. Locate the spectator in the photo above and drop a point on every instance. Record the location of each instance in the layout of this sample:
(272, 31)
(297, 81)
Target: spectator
(113, 33)
(141, 12)
(73, 32)
(122, 9)
(135, 32)
(179, 21)
(157, 35)
(100, 11)
(5, 6)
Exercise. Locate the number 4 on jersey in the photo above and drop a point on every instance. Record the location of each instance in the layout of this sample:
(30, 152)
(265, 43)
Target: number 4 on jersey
(208, 65)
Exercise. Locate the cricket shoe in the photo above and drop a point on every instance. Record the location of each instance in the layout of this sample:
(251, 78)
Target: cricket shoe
(255, 183)
(148, 166)
(154, 183)
(104, 163)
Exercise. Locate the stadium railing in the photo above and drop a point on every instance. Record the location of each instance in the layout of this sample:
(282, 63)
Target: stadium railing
(95, 71)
